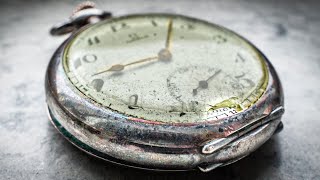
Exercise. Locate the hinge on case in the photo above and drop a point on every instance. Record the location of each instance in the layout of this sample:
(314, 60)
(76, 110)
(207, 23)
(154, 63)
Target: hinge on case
(214, 145)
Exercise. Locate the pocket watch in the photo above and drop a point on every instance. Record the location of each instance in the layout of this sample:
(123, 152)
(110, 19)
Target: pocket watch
(160, 91)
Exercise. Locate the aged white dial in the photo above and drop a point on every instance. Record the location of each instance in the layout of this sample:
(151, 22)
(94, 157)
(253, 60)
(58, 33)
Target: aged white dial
(165, 68)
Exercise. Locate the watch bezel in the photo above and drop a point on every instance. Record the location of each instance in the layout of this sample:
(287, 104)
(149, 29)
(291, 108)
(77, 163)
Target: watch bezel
(178, 139)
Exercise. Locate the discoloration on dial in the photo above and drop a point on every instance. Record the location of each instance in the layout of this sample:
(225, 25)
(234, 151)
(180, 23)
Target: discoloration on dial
(165, 68)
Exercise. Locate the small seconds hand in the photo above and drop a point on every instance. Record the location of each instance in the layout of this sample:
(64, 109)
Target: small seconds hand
(204, 83)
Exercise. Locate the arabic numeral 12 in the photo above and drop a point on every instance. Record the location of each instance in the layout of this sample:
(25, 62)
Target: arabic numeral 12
(117, 27)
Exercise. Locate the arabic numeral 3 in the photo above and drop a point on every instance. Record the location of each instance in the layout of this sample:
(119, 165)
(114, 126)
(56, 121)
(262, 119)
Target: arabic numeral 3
(243, 82)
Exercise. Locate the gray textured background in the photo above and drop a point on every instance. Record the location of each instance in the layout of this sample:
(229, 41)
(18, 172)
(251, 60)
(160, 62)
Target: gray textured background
(286, 31)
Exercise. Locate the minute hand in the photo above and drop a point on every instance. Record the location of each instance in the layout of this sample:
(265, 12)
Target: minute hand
(169, 35)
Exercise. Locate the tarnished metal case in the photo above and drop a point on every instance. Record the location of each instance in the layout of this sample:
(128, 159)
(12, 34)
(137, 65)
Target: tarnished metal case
(110, 135)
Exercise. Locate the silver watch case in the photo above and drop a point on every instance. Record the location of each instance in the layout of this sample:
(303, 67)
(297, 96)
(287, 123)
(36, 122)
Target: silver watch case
(111, 136)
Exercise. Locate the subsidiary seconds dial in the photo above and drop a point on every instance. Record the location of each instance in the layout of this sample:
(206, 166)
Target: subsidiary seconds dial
(191, 86)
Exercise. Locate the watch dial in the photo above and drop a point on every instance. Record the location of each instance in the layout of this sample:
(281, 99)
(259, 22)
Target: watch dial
(166, 68)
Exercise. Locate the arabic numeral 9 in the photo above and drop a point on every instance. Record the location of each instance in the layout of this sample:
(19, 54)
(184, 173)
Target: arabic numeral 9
(89, 58)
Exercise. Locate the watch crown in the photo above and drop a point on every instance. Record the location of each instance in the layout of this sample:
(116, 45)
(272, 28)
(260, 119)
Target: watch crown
(84, 5)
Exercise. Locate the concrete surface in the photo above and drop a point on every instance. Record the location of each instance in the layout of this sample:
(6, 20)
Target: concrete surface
(286, 31)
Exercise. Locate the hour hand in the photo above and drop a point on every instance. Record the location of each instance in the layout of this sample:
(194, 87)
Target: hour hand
(120, 67)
